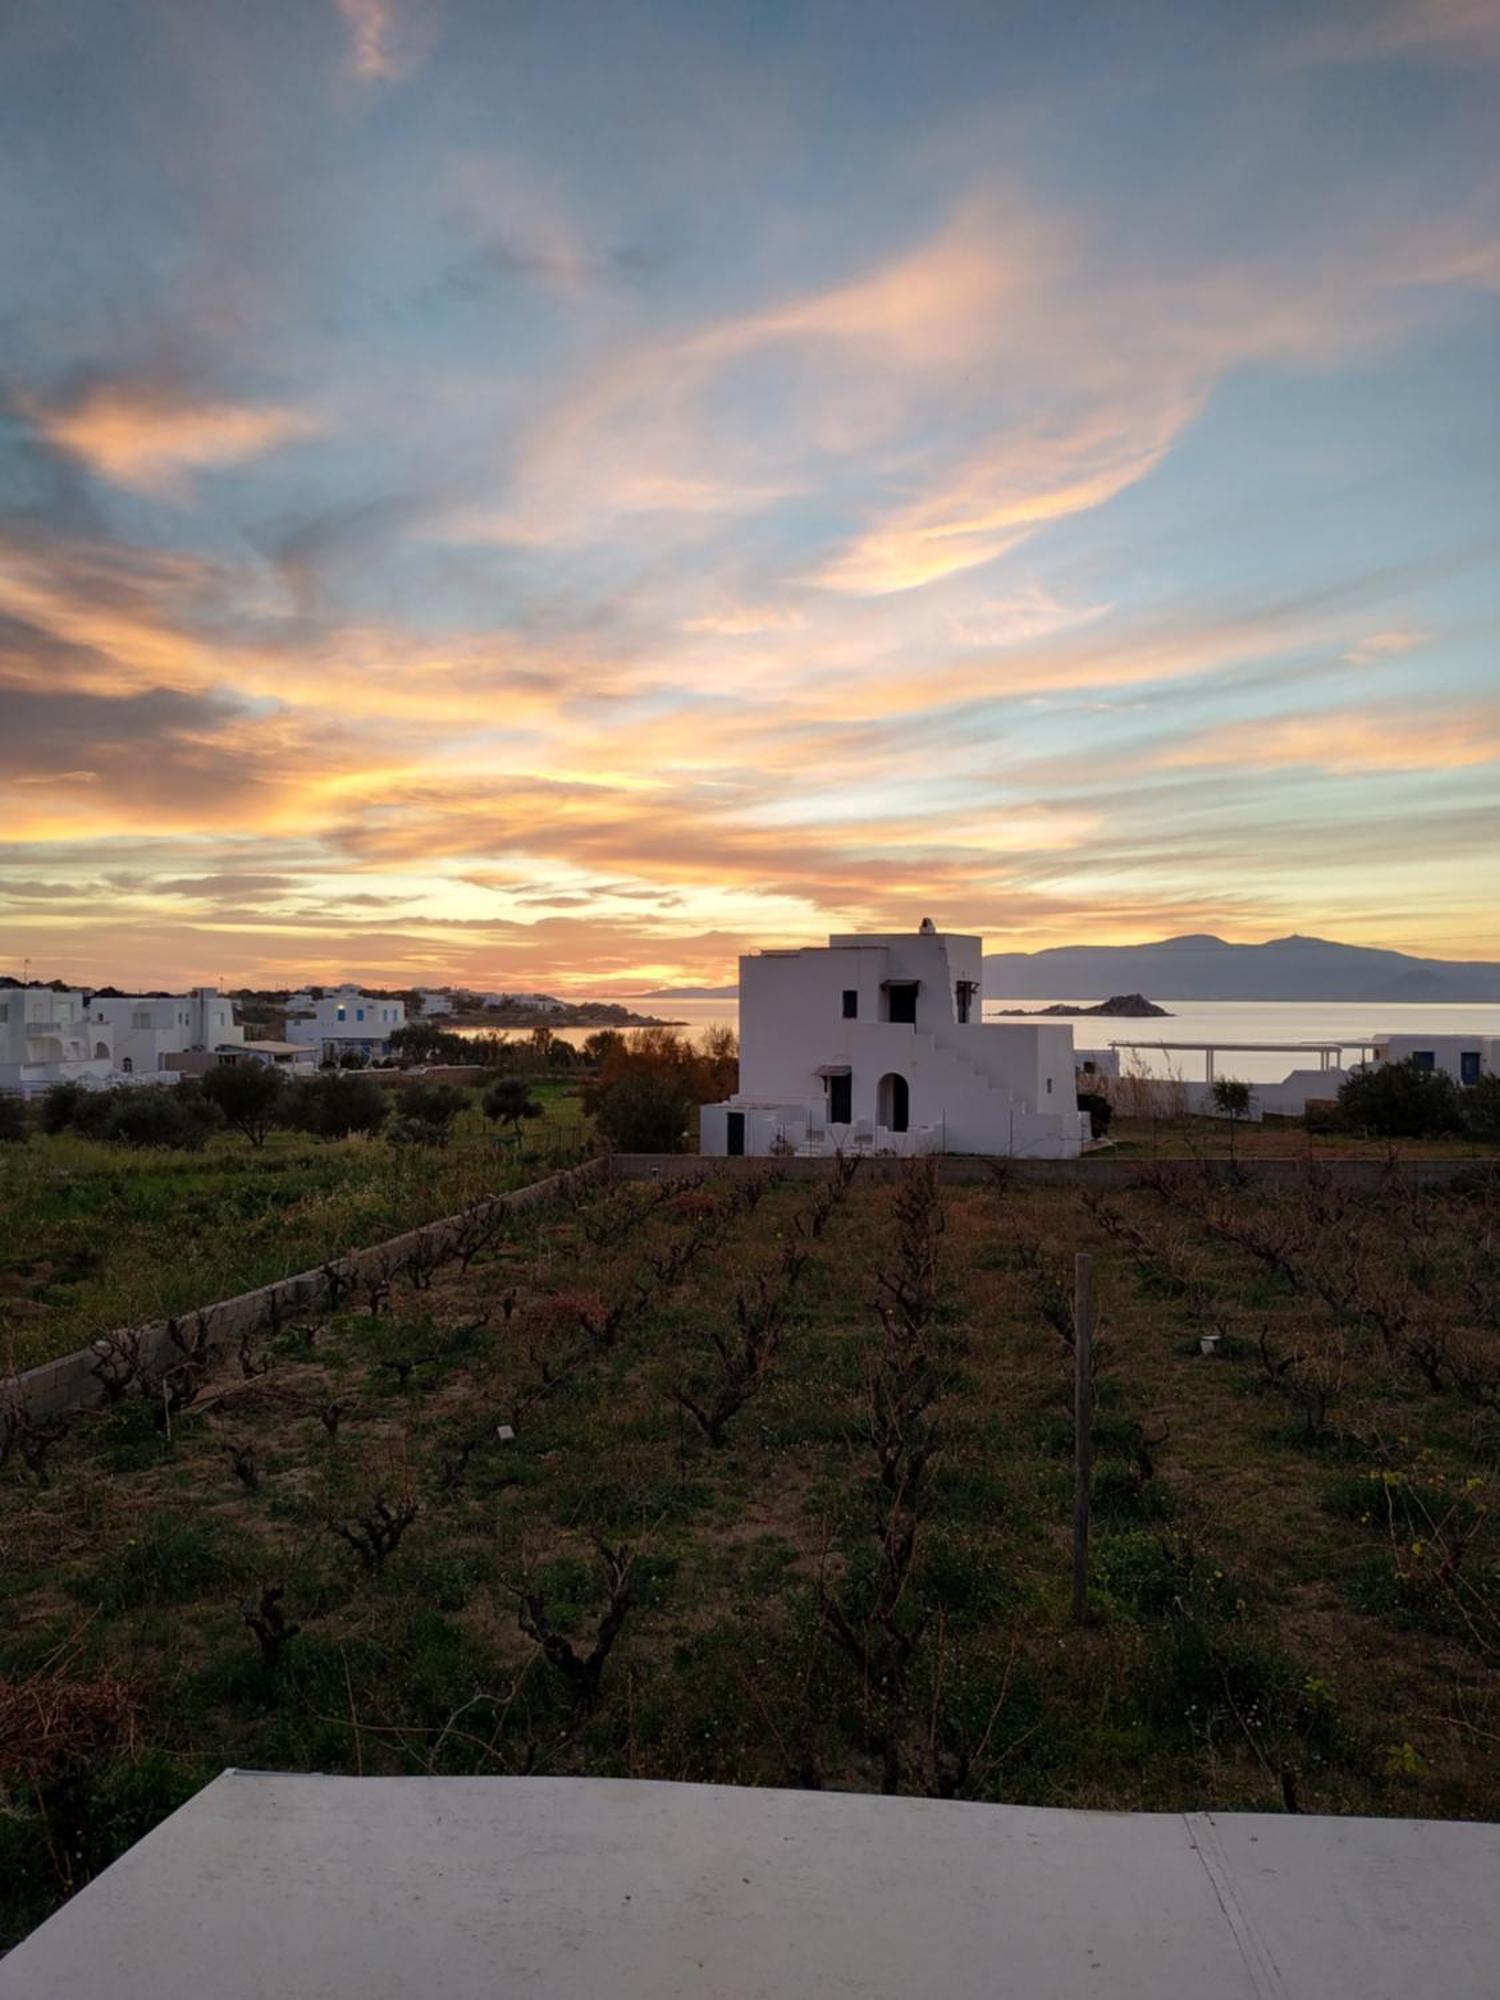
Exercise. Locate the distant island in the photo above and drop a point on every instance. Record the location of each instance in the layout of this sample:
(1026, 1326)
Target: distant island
(691, 993)
(1202, 967)
(543, 1011)
(1123, 1006)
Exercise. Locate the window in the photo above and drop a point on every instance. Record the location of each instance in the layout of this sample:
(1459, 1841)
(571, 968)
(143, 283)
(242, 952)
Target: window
(1424, 1059)
(1468, 1066)
(840, 1099)
(851, 1004)
(963, 999)
(359, 1013)
(342, 1015)
(901, 1001)
(1049, 1086)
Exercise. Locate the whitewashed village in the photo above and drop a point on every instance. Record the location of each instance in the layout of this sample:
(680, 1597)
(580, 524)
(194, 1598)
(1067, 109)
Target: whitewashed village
(875, 1043)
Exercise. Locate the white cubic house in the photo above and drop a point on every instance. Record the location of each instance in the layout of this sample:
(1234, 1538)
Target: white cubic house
(46, 1037)
(147, 1029)
(347, 1020)
(875, 1044)
(434, 1002)
(1465, 1058)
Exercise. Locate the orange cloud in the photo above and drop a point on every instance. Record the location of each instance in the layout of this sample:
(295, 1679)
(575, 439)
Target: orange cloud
(152, 437)
(1347, 741)
(1016, 484)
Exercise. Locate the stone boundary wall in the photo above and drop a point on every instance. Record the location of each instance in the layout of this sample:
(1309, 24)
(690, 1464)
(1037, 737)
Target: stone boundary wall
(1092, 1170)
(55, 1388)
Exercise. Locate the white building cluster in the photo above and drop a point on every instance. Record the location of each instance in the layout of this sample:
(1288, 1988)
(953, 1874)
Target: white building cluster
(100, 1040)
(344, 1021)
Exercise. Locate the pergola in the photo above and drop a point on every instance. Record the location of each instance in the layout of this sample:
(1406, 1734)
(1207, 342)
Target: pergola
(1330, 1054)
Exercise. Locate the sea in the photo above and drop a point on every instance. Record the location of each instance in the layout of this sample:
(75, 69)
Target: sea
(1221, 1022)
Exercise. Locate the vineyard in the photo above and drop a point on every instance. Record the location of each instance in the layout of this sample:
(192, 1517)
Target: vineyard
(767, 1481)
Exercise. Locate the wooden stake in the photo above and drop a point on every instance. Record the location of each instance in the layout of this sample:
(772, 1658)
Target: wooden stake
(1083, 1427)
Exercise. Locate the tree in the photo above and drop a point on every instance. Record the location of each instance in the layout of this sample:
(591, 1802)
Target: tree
(540, 1040)
(718, 1064)
(13, 1127)
(644, 1110)
(427, 1113)
(508, 1101)
(354, 1059)
(338, 1104)
(160, 1115)
(60, 1104)
(1232, 1100)
(601, 1045)
(426, 1042)
(252, 1097)
(1400, 1100)
(647, 1087)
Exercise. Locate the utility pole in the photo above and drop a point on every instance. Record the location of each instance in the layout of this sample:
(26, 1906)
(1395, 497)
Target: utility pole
(1084, 1316)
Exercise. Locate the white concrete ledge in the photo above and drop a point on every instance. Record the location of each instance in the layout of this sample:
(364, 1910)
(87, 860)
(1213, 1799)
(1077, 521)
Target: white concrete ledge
(313, 1888)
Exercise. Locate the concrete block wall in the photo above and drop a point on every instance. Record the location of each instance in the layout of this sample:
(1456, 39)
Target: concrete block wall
(56, 1388)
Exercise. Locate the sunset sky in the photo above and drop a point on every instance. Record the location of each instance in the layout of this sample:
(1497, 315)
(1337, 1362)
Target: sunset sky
(521, 492)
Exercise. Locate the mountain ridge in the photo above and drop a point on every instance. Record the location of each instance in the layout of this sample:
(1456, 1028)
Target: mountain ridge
(1200, 966)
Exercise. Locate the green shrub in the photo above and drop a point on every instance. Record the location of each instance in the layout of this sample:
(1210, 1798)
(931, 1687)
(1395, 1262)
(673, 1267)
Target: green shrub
(1400, 1100)
(644, 1111)
(178, 1115)
(1480, 1104)
(337, 1104)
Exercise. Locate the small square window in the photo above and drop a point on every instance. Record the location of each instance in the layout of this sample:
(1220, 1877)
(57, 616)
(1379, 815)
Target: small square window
(851, 1004)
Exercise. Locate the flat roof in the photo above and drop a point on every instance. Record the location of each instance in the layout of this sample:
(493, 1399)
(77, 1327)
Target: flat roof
(568, 1888)
(1260, 1048)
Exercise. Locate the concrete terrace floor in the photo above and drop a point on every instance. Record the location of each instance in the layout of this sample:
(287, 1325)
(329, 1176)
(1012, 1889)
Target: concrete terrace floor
(380, 1888)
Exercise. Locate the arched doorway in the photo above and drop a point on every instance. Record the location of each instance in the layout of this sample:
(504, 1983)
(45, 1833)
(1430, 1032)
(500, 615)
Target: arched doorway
(893, 1103)
(127, 1064)
(100, 1049)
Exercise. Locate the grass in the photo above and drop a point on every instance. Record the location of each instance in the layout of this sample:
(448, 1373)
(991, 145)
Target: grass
(94, 1236)
(1275, 1138)
(1280, 1609)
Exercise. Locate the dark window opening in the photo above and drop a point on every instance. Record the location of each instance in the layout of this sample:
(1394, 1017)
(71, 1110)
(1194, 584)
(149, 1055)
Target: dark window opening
(1424, 1059)
(841, 1099)
(734, 1135)
(1468, 1066)
(901, 1002)
(851, 1004)
(963, 996)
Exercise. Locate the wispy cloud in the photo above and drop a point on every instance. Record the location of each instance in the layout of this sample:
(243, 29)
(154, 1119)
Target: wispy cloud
(1344, 741)
(388, 39)
(154, 436)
